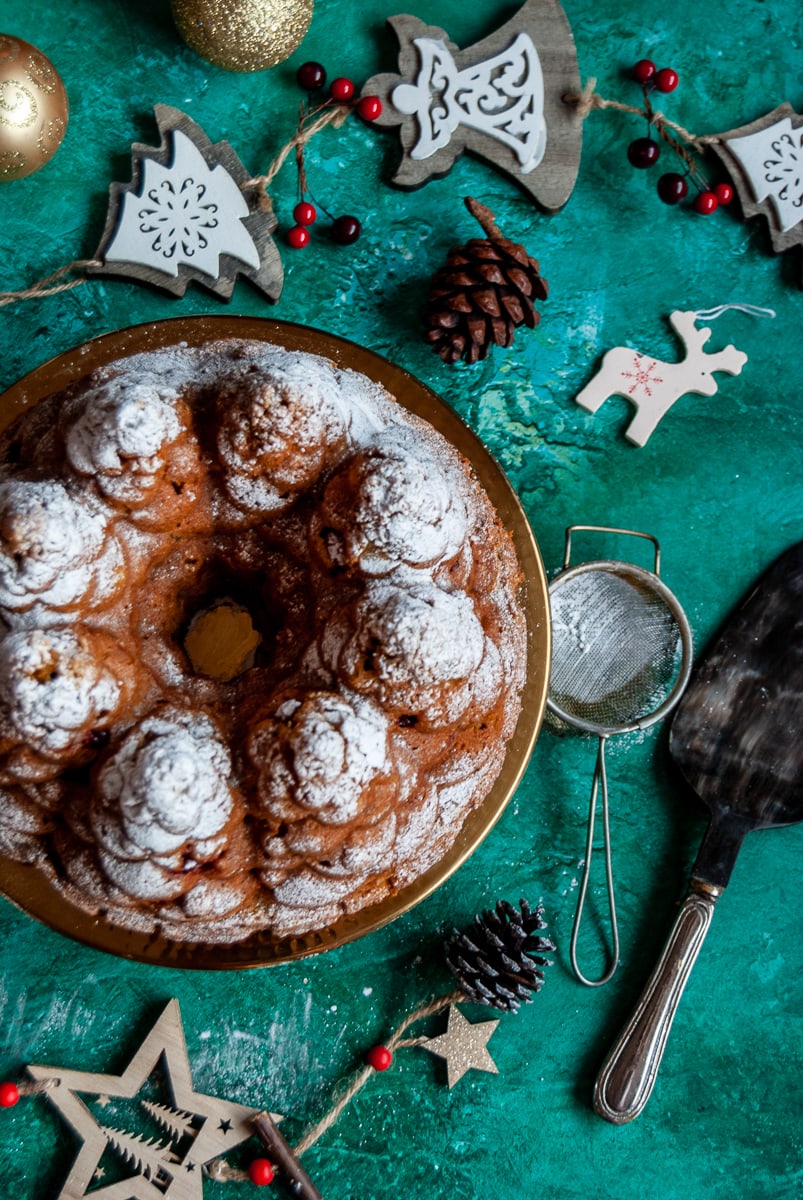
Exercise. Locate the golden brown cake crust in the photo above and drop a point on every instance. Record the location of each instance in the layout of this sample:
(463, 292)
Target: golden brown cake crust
(365, 726)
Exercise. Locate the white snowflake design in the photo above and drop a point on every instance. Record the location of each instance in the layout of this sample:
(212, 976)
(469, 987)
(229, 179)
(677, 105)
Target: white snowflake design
(178, 217)
(642, 375)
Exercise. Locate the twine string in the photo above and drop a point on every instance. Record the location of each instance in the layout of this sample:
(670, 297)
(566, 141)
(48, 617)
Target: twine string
(42, 286)
(329, 114)
(588, 101)
(361, 1077)
(752, 310)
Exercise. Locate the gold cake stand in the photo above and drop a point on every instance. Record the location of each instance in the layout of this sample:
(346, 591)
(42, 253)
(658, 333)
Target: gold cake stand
(32, 891)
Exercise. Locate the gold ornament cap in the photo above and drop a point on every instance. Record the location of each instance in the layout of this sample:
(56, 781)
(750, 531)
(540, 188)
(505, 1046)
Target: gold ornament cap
(242, 35)
(33, 108)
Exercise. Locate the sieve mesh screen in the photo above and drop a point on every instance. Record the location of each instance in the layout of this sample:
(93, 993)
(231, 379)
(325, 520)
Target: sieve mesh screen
(616, 648)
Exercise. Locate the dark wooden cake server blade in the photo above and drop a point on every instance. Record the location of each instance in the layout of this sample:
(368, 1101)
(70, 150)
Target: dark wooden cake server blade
(737, 736)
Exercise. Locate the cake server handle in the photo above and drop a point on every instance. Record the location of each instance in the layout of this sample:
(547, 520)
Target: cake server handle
(627, 1077)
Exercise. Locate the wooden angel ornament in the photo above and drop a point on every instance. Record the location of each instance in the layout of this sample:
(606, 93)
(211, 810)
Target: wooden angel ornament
(653, 386)
(501, 99)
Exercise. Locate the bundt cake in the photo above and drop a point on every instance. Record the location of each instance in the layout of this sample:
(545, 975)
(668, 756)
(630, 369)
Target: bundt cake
(385, 657)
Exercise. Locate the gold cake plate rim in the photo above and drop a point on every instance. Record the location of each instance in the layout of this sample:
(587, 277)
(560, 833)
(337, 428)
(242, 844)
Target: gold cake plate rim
(30, 889)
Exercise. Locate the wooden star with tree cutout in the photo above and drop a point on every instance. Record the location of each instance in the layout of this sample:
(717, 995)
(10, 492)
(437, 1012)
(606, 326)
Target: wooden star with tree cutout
(197, 1128)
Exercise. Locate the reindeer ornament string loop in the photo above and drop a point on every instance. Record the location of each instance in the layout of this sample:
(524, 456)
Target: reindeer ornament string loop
(653, 386)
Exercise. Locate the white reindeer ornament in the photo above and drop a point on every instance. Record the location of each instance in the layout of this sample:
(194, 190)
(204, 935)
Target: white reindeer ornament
(653, 386)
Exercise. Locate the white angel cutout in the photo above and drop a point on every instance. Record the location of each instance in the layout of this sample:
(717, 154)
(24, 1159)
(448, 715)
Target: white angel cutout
(502, 97)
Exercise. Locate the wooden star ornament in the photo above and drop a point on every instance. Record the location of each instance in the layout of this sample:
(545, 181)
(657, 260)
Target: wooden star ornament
(188, 215)
(463, 1046)
(193, 1130)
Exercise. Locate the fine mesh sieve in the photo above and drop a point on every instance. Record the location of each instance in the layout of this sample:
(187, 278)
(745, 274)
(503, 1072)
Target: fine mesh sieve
(621, 656)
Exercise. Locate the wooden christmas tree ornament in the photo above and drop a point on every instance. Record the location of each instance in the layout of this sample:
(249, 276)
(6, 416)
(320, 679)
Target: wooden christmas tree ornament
(500, 99)
(188, 216)
(765, 161)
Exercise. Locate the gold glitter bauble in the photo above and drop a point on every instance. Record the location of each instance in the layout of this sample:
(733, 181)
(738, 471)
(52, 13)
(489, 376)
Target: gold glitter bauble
(243, 35)
(33, 108)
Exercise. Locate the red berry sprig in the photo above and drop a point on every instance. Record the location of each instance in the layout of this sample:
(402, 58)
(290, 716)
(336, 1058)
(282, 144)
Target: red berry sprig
(644, 152)
(311, 76)
(9, 1094)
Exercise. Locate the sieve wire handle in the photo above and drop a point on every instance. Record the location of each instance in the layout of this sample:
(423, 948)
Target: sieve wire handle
(610, 529)
(599, 786)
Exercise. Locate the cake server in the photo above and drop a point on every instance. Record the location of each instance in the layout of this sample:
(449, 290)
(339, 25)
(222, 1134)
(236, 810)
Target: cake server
(737, 738)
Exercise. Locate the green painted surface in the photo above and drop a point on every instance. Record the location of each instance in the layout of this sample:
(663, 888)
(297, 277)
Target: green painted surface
(719, 485)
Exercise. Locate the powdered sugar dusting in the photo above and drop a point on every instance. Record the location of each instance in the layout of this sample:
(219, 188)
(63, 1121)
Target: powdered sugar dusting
(119, 433)
(55, 547)
(332, 773)
(320, 754)
(53, 687)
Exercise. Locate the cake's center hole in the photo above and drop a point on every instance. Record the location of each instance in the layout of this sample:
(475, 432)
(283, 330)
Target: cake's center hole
(221, 641)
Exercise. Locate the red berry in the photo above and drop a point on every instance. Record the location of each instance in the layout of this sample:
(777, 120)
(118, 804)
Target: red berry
(9, 1095)
(261, 1172)
(705, 203)
(305, 213)
(672, 188)
(666, 80)
(643, 152)
(297, 237)
(723, 193)
(346, 230)
(644, 70)
(369, 108)
(311, 76)
(341, 89)
(379, 1057)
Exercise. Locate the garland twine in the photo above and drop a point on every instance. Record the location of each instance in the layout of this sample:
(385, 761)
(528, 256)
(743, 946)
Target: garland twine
(222, 1172)
(329, 114)
(588, 101)
(585, 102)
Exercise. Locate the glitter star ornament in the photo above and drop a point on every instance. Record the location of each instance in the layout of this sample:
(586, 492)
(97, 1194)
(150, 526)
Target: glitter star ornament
(464, 1046)
(193, 1131)
(765, 161)
(188, 215)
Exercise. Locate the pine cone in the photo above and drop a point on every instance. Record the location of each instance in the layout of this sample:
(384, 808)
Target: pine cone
(486, 289)
(492, 962)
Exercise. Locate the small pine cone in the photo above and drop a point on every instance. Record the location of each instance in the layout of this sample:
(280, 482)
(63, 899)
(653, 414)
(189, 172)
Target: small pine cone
(486, 289)
(491, 961)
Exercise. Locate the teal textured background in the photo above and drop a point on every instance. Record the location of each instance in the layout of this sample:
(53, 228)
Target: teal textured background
(719, 484)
